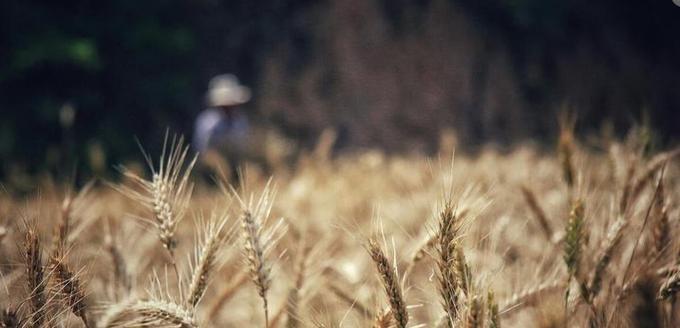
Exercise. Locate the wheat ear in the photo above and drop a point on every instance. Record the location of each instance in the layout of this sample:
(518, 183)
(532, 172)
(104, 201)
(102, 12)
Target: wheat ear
(538, 211)
(150, 313)
(259, 268)
(383, 319)
(35, 275)
(573, 249)
(204, 259)
(432, 241)
(656, 163)
(168, 193)
(670, 286)
(612, 240)
(70, 207)
(68, 285)
(625, 284)
(474, 318)
(424, 249)
(448, 281)
(113, 313)
(390, 282)
(573, 240)
(565, 149)
(661, 230)
(258, 241)
(159, 310)
(627, 187)
(63, 226)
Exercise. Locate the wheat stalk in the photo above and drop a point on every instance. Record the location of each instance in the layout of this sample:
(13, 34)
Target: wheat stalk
(656, 163)
(524, 297)
(113, 314)
(68, 284)
(612, 240)
(538, 212)
(294, 295)
(120, 274)
(432, 241)
(348, 299)
(390, 282)
(158, 310)
(167, 193)
(669, 287)
(627, 187)
(161, 312)
(447, 274)
(463, 272)
(292, 306)
(573, 249)
(63, 226)
(661, 229)
(424, 249)
(573, 240)
(70, 207)
(258, 241)
(150, 313)
(278, 315)
(625, 284)
(35, 275)
(254, 250)
(205, 256)
(474, 318)
(493, 316)
(566, 149)
(383, 319)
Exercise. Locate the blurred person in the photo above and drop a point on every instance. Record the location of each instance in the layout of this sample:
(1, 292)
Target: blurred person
(222, 133)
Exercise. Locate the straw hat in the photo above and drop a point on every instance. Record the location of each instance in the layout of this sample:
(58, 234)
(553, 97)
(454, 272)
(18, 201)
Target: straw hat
(225, 90)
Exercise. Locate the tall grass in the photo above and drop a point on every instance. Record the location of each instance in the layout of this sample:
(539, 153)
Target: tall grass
(520, 239)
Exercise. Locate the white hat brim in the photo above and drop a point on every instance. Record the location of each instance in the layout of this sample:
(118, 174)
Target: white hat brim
(228, 96)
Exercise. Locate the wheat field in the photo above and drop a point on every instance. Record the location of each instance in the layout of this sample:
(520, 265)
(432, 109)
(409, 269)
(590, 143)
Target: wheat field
(582, 236)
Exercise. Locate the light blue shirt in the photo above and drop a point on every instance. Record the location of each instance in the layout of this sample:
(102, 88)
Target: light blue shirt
(215, 129)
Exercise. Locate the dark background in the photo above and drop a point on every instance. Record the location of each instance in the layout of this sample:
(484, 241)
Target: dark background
(385, 73)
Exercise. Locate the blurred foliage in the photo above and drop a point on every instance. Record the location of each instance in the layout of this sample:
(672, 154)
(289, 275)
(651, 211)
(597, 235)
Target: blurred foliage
(130, 68)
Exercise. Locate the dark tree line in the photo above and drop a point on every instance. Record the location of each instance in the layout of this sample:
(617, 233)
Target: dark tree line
(378, 70)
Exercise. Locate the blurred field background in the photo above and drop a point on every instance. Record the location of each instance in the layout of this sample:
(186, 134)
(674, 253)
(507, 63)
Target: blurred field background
(559, 208)
(80, 79)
